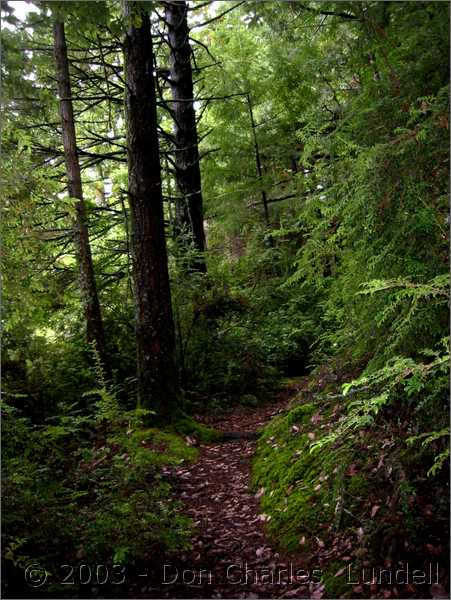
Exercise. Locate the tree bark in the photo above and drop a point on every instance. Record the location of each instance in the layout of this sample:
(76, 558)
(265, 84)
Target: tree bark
(189, 209)
(155, 338)
(94, 324)
(258, 162)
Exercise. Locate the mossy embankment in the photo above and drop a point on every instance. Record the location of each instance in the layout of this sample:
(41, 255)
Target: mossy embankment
(346, 507)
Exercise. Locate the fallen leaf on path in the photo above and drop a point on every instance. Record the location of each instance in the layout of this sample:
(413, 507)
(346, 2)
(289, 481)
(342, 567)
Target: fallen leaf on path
(316, 418)
(358, 589)
(260, 493)
(352, 470)
(316, 590)
(438, 591)
(374, 510)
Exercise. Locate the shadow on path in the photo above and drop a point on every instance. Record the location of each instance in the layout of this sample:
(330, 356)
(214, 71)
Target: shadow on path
(231, 555)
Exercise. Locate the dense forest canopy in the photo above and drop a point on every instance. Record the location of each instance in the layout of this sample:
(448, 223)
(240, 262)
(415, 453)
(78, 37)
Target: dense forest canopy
(209, 208)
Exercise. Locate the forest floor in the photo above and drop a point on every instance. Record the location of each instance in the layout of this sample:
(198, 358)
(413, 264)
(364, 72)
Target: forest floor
(231, 556)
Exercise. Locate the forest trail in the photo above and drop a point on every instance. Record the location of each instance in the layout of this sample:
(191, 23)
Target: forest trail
(231, 555)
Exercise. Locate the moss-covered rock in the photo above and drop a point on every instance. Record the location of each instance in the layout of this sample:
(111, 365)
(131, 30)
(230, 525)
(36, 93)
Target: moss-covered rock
(188, 426)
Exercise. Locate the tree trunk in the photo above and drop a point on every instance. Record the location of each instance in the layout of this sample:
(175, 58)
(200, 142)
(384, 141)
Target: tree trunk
(258, 159)
(189, 216)
(155, 338)
(94, 325)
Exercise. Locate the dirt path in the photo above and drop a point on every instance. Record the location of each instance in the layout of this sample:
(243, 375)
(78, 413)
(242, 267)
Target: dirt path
(231, 555)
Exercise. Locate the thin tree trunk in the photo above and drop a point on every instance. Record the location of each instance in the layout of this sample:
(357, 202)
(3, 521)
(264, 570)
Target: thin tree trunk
(189, 215)
(257, 158)
(94, 325)
(155, 338)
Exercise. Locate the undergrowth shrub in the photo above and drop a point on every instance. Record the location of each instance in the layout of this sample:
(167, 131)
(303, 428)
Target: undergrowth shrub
(239, 330)
(219, 358)
(344, 472)
(45, 367)
(87, 487)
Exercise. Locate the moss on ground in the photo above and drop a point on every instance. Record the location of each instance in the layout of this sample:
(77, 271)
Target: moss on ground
(297, 485)
(357, 485)
(301, 413)
(303, 489)
(153, 447)
(352, 498)
(188, 426)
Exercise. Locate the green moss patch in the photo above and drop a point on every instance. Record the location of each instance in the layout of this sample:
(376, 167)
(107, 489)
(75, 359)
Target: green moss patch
(299, 488)
(189, 427)
(354, 498)
(155, 447)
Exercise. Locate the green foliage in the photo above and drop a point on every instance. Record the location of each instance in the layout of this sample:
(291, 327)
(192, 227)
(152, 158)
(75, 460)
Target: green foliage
(399, 377)
(337, 495)
(96, 491)
(219, 358)
(371, 252)
(352, 126)
(428, 439)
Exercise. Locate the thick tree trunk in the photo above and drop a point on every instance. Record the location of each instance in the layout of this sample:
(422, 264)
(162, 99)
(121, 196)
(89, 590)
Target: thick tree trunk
(155, 338)
(189, 210)
(94, 325)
